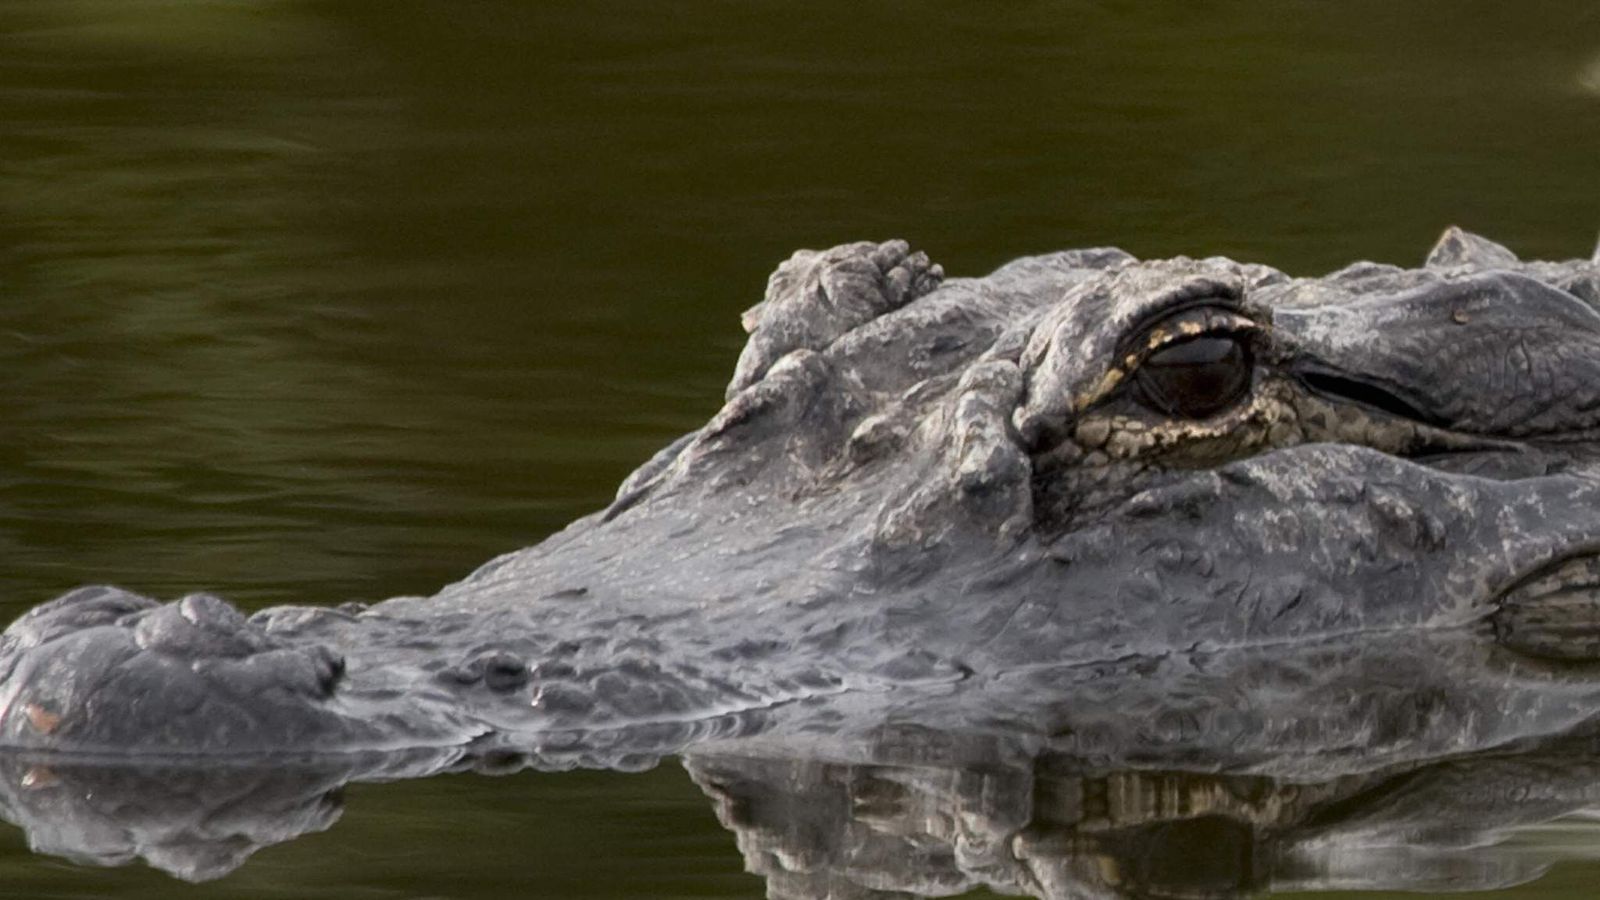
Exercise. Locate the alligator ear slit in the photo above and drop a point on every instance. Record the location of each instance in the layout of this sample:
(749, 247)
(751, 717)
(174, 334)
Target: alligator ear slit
(1367, 394)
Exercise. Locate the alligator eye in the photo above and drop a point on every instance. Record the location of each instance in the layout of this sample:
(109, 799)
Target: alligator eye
(1196, 378)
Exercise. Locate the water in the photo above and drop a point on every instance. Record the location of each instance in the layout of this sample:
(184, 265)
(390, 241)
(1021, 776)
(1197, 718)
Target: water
(312, 301)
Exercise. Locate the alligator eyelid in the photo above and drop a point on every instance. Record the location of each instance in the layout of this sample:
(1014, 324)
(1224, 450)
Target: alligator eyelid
(1242, 328)
(1151, 321)
(1174, 330)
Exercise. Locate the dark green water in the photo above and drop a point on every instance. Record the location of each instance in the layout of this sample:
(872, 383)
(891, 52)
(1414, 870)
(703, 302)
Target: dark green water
(310, 301)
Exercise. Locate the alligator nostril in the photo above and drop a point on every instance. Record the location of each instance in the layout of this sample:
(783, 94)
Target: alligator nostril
(504, 672)
(329, 667)
(501, 762)
(497, 671)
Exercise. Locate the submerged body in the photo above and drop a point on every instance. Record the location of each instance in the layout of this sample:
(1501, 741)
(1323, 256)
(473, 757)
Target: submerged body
(1081, 463)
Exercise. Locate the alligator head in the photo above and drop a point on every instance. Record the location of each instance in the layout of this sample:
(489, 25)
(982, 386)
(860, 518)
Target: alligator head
(1079, 460)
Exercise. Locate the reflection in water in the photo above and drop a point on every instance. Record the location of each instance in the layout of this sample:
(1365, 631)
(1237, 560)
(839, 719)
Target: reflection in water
(1060, 828)
(1412, 762)
(195, 824)
(866, 821)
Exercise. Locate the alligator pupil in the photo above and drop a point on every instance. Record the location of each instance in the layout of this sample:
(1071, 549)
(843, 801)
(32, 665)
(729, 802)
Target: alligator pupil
(1196, 378)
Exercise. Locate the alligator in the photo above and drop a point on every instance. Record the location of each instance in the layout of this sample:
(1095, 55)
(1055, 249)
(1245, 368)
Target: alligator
(993, 493)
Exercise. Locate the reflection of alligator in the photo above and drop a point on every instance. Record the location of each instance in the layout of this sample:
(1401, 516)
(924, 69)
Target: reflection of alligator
(1059, 828)
(1080, 463)
(900, 810)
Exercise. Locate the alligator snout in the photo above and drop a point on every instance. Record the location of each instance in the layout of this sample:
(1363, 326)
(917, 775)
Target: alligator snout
(102, 669)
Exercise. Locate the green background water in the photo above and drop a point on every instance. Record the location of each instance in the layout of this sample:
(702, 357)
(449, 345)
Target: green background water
(316, 301)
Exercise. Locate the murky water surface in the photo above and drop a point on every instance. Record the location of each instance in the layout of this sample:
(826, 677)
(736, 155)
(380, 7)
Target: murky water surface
(316, 301)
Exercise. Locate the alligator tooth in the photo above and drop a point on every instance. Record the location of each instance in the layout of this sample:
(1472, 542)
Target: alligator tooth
(43, 720)
(39, 777)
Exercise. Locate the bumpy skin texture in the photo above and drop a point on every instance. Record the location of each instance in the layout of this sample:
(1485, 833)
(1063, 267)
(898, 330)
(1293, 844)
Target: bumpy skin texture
(917, 482)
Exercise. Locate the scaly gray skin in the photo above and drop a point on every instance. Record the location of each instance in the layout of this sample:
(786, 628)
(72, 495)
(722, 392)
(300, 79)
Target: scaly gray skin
(919, 482)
